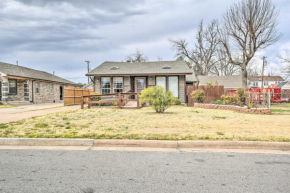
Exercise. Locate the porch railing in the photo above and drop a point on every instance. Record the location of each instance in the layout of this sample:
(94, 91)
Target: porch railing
(121, 99)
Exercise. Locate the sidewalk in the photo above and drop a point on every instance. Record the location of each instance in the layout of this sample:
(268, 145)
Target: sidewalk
(25, 112)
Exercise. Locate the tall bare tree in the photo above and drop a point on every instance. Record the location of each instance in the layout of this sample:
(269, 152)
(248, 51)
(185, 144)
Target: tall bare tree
(249, 25)
(138, 56)
(203, 56)
(285, 59)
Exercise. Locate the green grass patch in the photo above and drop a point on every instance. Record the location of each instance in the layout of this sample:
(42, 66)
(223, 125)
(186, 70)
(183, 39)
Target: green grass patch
(218, 117)
(40, 125)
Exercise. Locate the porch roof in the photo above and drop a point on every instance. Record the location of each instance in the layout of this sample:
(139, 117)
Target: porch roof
(141, 68)
(20, 71)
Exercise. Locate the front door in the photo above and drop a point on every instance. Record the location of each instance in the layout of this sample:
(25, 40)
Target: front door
(140, 84)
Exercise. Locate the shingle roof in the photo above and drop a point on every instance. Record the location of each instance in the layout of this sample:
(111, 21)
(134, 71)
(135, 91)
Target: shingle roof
(20, 71)
(233, 81)
(191, 78)
(266, 78)
(140, 68)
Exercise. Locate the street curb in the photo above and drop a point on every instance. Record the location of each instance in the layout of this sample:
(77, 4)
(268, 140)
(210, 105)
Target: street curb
(198, 144)
(45, 142)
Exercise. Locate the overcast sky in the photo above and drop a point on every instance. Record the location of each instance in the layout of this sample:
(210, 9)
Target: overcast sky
(59, 35)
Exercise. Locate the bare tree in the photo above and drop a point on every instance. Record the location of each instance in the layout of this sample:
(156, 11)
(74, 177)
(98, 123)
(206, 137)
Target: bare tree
(286, 60)
(272, 71)
(138, 56)
(203, 56)
(223, 67)
(249, 25)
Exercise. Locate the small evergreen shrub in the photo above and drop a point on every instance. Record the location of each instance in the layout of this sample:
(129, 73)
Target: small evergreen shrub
(198, 95)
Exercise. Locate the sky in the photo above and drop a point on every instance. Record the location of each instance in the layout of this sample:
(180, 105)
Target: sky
(59, 35)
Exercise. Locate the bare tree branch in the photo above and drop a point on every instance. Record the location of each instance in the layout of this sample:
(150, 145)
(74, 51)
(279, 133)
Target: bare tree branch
(138, 56)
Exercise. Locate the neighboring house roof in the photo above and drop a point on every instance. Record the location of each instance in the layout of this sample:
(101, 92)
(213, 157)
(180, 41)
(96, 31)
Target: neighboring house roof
(281, 84)
(141, 68)
(233, 81)
(20, 71)
(191, 78)
(265, 78)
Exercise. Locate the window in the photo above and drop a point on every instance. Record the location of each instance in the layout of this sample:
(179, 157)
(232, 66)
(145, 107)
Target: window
(161, 81)
(12, 87)
(51, 88)
(173, 85)
(255, 83)
(106, 85)
(37, 87)
(266, 83)
(118, 84)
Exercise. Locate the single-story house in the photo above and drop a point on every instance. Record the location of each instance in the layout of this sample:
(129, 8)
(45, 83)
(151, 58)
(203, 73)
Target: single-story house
(22, 85)
(229, 82)
(256, 81)
(114, 77)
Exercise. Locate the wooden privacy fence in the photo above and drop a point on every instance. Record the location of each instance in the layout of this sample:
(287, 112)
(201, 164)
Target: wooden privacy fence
(73, 95)
(212, 93)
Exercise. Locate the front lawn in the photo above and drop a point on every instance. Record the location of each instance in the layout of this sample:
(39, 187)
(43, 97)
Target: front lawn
(6, 106)
(177, 123)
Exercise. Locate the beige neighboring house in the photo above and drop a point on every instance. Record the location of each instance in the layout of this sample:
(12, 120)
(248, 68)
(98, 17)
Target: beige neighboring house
(229, 82)
(285, 89)
(115, 77)
(22, 85)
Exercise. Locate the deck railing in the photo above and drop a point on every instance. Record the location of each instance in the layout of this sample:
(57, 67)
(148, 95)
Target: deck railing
(120, 98)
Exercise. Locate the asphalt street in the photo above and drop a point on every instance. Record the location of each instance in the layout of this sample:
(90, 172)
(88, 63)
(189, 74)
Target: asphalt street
(136, 171)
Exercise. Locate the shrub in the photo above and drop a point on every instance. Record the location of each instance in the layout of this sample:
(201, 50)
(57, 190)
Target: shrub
(218, 102)
(198, 95)
(228, 99)
(241, 96)
(176, 101)
(158, 97)
(95, 98)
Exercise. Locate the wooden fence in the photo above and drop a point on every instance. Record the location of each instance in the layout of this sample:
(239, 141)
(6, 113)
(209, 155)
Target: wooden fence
(212, 93)
(73, 95)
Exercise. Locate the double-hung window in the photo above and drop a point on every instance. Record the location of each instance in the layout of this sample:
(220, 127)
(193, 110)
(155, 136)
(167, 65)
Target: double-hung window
(118, 84)
(37, 87)
(161, 81)
(173, 85)
(106, 85)
(12, 87)
(266, 83)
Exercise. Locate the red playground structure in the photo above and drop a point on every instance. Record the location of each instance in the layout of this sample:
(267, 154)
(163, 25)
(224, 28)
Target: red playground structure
(256, 94)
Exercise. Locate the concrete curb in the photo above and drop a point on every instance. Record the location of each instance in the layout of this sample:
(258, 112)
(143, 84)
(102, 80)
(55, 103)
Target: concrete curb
(45, 142)
(145, 143)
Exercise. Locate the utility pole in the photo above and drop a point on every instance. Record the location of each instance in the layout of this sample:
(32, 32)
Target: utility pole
(88, 68)
(264, 61)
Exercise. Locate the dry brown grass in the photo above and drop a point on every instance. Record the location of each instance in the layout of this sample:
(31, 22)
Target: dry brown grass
(176, 123)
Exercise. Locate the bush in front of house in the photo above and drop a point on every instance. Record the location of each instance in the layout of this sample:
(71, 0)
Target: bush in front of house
(228, 99)
(158, 98)
(198, 95)
(241, 96)
(176, 101)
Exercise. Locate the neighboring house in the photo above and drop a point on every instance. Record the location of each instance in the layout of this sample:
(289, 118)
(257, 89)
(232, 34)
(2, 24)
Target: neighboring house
(21, 85)
(114, 77)
(285, 89)
(256, 81)
(229, 82)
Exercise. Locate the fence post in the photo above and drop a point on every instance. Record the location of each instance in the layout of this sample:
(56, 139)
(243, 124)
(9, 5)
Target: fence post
(138, 104)
(74, 95)
(120, 100)
(82, 102)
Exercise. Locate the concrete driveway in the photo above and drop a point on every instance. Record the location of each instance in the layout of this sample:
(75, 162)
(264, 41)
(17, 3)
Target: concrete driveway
(27, 111)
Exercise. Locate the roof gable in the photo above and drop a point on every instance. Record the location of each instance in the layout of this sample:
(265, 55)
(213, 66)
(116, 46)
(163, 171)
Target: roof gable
(135, 68)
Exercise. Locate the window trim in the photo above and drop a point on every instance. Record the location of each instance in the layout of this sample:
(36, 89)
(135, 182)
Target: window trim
(110, 89)
(113, 83)
(16, 88)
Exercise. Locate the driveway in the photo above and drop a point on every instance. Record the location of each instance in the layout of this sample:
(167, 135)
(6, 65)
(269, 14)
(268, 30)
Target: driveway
(27, 111)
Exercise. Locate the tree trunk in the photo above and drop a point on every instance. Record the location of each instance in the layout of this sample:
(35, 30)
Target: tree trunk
(244, 78)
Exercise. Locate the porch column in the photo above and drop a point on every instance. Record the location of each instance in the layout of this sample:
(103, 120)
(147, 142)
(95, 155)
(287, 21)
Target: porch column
(5, 87)
(26, 91)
